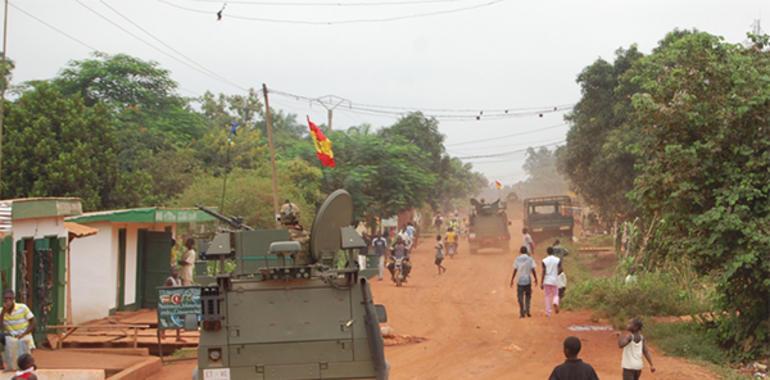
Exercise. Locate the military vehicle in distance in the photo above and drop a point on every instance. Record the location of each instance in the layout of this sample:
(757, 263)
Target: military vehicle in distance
(547, 217)
(288, 314)
(488, 227)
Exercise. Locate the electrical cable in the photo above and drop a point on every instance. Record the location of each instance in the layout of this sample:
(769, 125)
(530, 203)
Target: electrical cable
(505, 136)
(329, 4)
(508, 153)
(63, 33)
(202, 67)
(105, 18)
(338, 22)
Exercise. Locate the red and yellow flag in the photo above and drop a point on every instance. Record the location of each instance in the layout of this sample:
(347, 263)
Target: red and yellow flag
(323, 146)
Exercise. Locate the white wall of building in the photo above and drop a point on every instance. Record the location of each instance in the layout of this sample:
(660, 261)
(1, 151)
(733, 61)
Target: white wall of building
(93, 276)
(95, 262)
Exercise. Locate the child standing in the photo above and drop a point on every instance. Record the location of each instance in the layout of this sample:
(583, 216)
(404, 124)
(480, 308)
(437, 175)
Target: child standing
(26, 368)
(561, 282)
(439, 254)
(634, 348)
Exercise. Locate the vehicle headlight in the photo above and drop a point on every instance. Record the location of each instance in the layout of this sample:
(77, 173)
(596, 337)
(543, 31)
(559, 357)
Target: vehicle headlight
(471, 235)
(215, 354)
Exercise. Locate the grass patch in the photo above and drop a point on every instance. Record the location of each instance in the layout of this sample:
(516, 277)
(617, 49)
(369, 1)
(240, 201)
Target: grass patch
(692, 341)
(651, 294)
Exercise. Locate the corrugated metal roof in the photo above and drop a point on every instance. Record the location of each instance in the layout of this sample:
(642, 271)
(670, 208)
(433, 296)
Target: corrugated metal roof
(79, 230)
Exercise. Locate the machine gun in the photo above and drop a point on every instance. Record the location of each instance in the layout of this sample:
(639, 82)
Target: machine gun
(232, 221)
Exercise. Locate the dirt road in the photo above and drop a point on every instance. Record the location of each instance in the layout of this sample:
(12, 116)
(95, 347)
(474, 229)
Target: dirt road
(470, 319)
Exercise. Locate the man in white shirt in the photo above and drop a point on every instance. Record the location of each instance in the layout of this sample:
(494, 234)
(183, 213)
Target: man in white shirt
(187, 263)
(528, 241)
(550, 281)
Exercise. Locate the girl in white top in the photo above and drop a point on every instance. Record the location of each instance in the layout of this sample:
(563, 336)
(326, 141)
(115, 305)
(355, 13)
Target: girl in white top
(633, 349)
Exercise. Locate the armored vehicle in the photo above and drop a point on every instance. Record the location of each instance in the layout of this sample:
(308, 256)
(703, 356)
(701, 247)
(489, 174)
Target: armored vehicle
(547, 217)
(285, 313)
(488, 226)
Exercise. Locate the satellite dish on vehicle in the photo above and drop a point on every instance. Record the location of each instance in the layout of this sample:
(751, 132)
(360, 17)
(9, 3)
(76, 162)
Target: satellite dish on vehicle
(325, 237)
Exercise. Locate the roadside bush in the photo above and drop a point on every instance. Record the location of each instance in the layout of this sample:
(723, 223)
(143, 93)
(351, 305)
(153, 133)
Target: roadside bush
(652, 294)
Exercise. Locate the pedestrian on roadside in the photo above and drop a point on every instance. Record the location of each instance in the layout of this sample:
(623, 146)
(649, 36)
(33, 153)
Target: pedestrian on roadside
(380, 245)
(173, 280)
(550, 281)
(528, 241)
(439, 254)
(187, 263)
(412, 233)
(558, 250)
(525, 267)
(27, 368)
(561, 283)
(17, 325)
(634, 347)
(573, 368)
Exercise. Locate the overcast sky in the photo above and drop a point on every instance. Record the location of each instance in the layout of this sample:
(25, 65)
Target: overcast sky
(509, 54)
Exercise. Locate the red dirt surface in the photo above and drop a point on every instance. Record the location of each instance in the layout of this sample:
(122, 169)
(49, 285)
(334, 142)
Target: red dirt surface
(469, 319)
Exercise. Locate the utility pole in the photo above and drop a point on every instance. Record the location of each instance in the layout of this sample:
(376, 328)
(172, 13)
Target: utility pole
(269, 124)
(2, 90)
(330, 102)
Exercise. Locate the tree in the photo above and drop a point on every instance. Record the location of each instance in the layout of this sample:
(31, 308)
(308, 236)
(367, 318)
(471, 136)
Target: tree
(703, 115)
(543, 177)
(596, 158)
(384, 177)
(58, 146)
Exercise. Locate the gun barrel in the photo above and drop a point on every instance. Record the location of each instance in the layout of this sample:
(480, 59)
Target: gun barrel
(233, 222)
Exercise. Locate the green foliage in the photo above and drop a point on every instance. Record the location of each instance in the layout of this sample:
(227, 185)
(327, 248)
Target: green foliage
(59, 146)
(596, 158)
(681, 138)
(704, 113)
(384, 176)
(652, 294)
(249, 194)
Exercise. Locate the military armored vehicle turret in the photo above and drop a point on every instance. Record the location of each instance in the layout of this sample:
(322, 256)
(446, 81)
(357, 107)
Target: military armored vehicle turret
(285, 313)
(488, 227)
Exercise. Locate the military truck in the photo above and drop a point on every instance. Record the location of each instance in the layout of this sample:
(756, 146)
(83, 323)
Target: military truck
(547, 217)
(488, 226)
(289, 314)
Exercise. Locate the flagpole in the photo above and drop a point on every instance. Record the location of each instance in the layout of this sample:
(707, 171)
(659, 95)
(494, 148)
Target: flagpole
(269, 124)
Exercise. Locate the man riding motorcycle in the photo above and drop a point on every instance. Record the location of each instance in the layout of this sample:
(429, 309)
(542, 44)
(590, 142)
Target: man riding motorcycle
(400, 252)
(451, 239)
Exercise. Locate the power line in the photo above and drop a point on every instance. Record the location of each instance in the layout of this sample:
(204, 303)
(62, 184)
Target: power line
(338, 22)
(105, 18)
(506, 136)
(329, 4)
(63, 33)
(204, 68)
(508, 153)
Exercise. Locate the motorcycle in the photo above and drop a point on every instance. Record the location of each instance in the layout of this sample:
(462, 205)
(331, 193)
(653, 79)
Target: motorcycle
(398, 271)
(451, 249)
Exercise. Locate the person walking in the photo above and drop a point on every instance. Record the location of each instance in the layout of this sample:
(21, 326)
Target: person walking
(524, 266)
(17, 324)
(573, 368)
(187, 262)
(549, 281)
(634, 347)
(528, 241)
(439, 255)
(380, 245)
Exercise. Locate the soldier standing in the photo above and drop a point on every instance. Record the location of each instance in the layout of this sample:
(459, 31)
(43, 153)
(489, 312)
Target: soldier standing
(289, 215)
